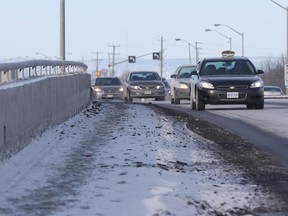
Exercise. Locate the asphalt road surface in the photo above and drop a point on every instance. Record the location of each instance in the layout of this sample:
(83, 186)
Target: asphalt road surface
(120, 159)
(266, 129)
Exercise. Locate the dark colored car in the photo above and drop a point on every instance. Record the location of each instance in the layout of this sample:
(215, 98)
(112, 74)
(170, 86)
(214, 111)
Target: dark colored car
(180, 83)
(144, 84)
(226, 80)
(108, 87)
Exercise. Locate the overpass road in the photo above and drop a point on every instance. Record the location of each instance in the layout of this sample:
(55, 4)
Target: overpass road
(267, 128)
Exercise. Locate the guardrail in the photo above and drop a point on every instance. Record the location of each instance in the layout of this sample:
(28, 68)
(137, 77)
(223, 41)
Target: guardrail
(28, 69)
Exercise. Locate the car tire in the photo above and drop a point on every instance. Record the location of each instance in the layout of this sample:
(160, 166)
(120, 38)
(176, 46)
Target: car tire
(129, 99)
(160, 98)
(259, 105)
(172, 101)
(199, 105)
(250, 106)
(176, 100)
(192, 103)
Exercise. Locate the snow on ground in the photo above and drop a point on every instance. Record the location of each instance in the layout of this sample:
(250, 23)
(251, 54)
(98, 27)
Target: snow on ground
(124, 159)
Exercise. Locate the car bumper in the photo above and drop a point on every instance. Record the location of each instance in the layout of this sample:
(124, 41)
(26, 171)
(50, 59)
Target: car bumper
(231, 97)
(116, 95)
(139, 93)
(182, 93)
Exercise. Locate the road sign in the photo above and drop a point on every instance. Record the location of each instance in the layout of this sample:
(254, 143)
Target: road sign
(132, 59)
(156, 55)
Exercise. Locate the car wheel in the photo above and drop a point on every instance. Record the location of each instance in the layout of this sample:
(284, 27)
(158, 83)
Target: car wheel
(129, 99)
(259, 105)
(192, 102)
(172, 100)
(250, 106)
(177, 100)
(199, 105)
(160, 99)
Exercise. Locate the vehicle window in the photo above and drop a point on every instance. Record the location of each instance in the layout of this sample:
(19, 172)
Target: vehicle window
(229, 67)
(107, 81)
(144, 76)
(272, 89)
(185, 72)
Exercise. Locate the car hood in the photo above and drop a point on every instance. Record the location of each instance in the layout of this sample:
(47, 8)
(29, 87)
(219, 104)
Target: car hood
(147, 83)
(108, 87)
(231, 80)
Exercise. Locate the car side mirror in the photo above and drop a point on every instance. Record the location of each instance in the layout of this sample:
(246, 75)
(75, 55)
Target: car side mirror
(260, 71)
(193, 73)
(173, 76)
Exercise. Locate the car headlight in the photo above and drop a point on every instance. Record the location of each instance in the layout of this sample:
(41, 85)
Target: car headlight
(120, 89)
(98, 90)
(134, 87)
(159, 86)
(206, 85)
(257, 84)
(181, 86)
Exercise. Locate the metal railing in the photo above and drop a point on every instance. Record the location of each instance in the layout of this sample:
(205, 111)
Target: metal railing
(14, 71)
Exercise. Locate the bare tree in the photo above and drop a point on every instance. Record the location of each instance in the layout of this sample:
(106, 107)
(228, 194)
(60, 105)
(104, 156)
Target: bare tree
(274, 72)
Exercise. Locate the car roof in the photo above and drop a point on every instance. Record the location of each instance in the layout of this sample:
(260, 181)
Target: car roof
(190, 65)
(272, 86)
(225, 58)
(108, 77)
(143, 71)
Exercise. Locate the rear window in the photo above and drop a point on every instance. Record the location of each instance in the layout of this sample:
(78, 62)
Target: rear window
(229, 67)
(107, 81)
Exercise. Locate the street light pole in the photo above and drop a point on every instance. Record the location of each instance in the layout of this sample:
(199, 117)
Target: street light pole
(62, 30)
(197, 51)
(229, 38)
(286, 65)
(189, 44)
(242, 35)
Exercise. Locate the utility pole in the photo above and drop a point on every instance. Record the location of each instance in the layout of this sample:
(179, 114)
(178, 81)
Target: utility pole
(161, 58)
(97, 60)
(113, 57)
(62, 30)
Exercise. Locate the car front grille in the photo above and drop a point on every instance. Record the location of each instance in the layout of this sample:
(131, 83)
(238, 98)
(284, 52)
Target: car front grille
(232, 87)
(147, 87)
(109, 91)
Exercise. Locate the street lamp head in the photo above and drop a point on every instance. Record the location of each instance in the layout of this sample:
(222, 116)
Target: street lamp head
(208, 30)
(217, 24)
(178, 39)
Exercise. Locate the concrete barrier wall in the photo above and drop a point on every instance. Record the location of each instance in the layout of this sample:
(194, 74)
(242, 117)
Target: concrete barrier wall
(30, 107)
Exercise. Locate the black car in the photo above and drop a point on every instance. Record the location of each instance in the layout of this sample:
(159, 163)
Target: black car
(144, 84)
(226, 80)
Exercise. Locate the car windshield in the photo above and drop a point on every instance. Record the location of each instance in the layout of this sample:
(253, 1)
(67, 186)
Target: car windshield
(144, 76)
(107, 82)
(229, 67)
(185, 72)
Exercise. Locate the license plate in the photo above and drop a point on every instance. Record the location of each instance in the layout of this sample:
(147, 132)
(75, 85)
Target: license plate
(147, 92)
(232, 95)
(109, 96)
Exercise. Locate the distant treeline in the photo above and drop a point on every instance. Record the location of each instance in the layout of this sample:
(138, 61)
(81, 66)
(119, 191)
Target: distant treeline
(274, 72)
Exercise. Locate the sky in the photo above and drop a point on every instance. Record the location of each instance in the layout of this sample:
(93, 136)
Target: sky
(136, 27)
